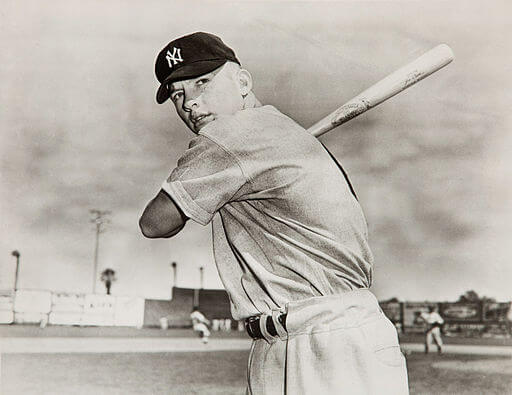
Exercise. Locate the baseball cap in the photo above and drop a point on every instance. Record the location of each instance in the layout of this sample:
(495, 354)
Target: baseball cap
(189, 57)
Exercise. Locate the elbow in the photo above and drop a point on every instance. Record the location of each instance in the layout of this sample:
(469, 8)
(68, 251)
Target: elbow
(152, 231)
(147, 229)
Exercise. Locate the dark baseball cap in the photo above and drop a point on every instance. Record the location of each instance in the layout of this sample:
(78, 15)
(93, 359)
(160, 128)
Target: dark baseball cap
(189, 57)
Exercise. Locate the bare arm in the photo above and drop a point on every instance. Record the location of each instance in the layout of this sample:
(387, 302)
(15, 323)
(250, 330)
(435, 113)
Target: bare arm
(162, 218)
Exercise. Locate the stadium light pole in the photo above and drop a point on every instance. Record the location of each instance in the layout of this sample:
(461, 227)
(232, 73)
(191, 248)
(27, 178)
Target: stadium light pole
(99, 219)
(16, 254)
(174, 274)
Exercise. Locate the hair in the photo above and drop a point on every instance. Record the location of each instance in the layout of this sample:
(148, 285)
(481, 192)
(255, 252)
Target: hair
(250, 100)
(232, 66)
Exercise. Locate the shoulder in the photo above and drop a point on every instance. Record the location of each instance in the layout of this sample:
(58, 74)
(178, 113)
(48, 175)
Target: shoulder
(248, 121)
(257, 128)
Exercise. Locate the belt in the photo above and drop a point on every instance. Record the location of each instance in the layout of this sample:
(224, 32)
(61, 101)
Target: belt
(252, 325)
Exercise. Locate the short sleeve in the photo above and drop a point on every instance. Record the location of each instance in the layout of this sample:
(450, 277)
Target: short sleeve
(206, 178)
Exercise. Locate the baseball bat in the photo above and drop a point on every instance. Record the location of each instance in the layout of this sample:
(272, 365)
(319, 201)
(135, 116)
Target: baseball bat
(389, 86)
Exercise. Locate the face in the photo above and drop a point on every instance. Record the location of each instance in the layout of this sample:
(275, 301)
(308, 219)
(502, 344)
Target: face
(199, 101)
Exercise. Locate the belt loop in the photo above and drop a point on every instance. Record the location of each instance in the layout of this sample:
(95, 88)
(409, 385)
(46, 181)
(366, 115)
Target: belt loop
(263, 328)
(281, 331)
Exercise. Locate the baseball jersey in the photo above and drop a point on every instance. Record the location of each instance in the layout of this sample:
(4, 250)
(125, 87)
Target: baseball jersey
(286, 225)
(432, 318)
(197, 318)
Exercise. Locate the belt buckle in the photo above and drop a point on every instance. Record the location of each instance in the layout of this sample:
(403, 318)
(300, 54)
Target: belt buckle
(248, 322)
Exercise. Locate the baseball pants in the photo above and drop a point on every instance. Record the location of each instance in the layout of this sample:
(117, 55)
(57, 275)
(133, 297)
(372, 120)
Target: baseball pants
(205, 332)
(433, 335)
(341, 344)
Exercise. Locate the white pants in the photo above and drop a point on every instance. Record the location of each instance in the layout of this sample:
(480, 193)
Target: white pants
(340, 344)
(433, 335)
(200, 327)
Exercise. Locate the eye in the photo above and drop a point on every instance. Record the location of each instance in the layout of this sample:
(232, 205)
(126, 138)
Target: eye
(175, 96)
(202, 81)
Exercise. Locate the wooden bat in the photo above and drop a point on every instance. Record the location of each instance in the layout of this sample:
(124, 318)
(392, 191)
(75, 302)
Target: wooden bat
(394, 83)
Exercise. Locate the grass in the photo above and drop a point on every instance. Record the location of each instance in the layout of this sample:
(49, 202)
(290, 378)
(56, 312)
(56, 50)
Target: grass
(459, 374)
(219, 373)
(126, 373)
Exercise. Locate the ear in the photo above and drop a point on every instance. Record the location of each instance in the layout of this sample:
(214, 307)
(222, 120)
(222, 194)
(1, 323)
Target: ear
(245, 81)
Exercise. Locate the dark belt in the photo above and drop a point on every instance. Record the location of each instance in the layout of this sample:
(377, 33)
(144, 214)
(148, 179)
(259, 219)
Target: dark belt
(252, 325)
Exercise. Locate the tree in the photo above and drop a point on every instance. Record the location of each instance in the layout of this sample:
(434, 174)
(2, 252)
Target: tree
(108, 276)
(486, 299)
(391, 300)
(472, 296)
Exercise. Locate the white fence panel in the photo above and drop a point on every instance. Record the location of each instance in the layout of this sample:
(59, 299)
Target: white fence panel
(30, 318)
(32, 301)
(65, 318)
(99, 310)
(6, 317)
(68, 302)
(129, 312)
(6, 309)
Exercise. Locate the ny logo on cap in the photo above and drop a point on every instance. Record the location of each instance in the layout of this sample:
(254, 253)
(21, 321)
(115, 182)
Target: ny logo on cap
(174, 57)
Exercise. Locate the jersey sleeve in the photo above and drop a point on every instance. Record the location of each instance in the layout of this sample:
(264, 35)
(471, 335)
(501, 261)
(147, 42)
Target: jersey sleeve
(206, 178)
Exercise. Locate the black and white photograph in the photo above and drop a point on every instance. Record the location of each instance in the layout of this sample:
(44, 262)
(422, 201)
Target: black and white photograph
(255, 197)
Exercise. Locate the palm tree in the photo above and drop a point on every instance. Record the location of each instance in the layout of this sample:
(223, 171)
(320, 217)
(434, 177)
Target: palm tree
(108, 276)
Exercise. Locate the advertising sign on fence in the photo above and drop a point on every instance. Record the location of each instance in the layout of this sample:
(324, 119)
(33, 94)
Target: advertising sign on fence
(68, 302)
(99, 310)
(461, 312)
(497, 312)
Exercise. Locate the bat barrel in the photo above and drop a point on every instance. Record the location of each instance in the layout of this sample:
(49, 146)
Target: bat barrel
(394, 83)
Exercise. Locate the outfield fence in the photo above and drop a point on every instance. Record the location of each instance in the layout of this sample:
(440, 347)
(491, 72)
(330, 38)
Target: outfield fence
(486, 319)
(58, 308)
(479, 319)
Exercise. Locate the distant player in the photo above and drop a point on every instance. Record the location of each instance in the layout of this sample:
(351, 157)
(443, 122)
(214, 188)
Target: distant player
(200, 324)
(434, 323)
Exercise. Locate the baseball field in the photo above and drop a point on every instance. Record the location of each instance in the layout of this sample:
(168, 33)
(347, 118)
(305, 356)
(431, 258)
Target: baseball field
(115, 361)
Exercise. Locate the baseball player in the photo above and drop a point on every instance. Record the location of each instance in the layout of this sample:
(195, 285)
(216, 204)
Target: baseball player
(434, 323)
(200, 324)
(290, 239)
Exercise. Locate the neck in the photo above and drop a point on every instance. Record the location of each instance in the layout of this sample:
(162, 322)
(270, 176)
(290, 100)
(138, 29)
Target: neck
(251, 101)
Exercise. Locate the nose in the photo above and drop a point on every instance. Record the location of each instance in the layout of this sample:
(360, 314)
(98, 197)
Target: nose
(190, 102)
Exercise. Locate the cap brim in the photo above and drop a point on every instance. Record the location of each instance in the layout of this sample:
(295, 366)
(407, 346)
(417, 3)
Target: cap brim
(192, 70)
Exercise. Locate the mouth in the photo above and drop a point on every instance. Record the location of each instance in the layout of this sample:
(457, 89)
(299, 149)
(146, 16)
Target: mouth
(200, 120)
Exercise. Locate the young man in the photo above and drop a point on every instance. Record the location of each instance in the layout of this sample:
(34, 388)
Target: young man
(290, 239)
(434, 323)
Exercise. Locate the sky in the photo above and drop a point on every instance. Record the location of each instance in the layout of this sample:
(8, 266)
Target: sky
(80, 130)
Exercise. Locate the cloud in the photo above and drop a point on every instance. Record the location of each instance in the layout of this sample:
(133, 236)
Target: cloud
(81, 130)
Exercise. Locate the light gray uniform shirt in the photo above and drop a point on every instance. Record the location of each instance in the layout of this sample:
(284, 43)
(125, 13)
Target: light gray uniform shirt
(286, 225)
